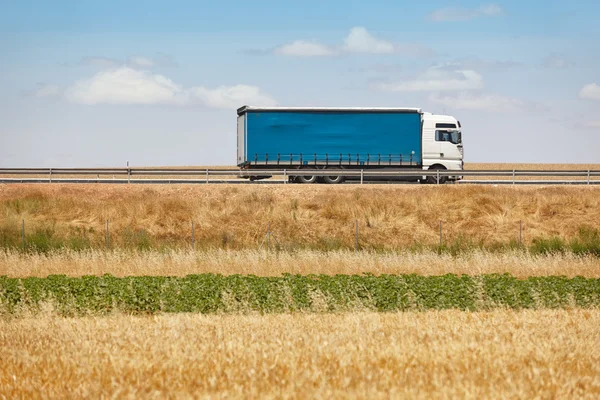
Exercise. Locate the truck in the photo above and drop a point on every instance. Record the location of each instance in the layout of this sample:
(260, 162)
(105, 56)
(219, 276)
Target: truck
(347, 138)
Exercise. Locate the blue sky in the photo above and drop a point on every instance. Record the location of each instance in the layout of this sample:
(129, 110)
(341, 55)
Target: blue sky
(88, 83)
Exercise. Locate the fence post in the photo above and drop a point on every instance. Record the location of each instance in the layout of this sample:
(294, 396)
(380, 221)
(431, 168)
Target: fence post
(106, 234)
(520, 232)
(588, 177)
(361, 176)
(23, 233)
(356, 237)
(441, 235)
(193, 237)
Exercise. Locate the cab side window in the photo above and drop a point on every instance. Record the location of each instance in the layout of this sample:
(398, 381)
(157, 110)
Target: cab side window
(453, 137)
(442, 136)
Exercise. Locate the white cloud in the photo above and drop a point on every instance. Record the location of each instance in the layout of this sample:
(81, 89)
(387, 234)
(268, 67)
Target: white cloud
(479, 102)
(436, 80)
(141, 62)
(46, 90)
(465, 14)
(590, 91)
(232, 96)
(302, 48)
(130, 86)
(125, 86)
(359, 40)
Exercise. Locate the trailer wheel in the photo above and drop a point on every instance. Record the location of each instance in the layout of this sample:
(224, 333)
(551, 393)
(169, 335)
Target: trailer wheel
(433, 179)
(334, 179)
(306, 179)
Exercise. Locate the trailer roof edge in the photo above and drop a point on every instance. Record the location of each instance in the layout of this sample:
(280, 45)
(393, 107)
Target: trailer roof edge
(245, 109)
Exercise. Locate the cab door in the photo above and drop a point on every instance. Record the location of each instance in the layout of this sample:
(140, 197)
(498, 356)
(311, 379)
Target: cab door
(447, 135)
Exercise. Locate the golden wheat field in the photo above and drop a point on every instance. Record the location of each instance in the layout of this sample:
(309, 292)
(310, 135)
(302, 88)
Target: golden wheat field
(229, 216)
(261, 263)
(433, 354)
(437, 354)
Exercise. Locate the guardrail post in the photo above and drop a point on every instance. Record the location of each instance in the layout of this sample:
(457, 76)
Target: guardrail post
(285, 176)
(438, 176)
(128, 175)
(50, 179)
(513, 177)
(206, 175)
(588, 176)
(361, 176)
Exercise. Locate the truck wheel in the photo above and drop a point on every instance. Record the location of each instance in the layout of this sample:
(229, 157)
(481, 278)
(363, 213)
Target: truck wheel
(307, 179)
(432, 180)
(333, 179)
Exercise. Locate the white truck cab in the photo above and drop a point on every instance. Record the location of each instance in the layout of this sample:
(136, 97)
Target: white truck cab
(442, 144)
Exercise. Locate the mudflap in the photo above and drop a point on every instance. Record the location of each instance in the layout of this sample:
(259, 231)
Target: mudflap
(259, 177)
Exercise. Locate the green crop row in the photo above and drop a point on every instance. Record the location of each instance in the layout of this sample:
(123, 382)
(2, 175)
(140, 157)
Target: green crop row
(209, 293)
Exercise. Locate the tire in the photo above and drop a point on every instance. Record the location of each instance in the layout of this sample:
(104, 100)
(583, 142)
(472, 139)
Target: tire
(332, 180)
(432, 180)
(306, 179)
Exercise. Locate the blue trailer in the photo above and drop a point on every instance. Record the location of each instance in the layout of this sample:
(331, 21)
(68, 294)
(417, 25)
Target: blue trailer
(358, 138)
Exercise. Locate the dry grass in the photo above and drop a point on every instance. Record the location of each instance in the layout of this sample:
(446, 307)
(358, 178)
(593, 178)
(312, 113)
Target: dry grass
(230, 216)
(261, 263)
(448, 354)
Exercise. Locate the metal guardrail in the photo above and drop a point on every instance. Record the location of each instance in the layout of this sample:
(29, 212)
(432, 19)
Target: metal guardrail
(195, 175)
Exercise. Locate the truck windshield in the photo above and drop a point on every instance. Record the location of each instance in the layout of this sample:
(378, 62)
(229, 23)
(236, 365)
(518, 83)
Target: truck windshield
(453, 136)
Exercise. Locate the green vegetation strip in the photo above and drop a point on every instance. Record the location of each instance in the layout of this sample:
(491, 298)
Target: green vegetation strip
(45, 240)
(209, 293)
